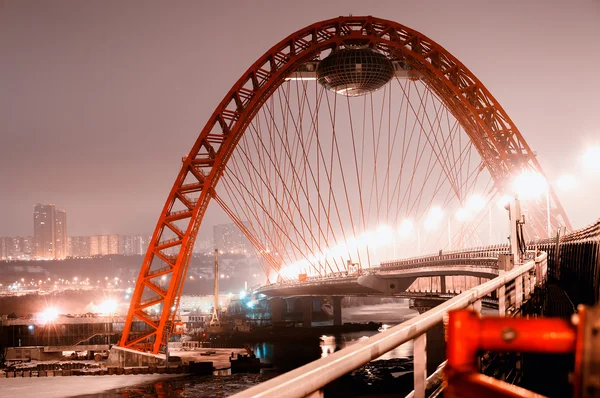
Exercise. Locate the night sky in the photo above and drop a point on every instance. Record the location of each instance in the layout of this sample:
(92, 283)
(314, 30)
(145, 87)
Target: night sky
(100, 100)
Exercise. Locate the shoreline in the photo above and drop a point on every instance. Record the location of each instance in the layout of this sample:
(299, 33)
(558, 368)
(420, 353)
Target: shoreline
(57, 387)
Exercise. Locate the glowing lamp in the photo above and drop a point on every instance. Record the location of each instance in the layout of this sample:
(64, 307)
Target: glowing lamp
(462, 214)
(405, 228)
(591, 159)
(434, 218)
(529, 185)
(476, 203)
(108, 307)
(50, 314)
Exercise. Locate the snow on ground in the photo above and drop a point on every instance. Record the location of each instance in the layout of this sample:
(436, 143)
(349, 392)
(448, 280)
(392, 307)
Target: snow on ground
(63, 386)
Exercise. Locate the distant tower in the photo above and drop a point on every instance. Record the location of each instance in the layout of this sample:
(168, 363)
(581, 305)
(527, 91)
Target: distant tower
(61, 243)
(44, 231)
(49, 232)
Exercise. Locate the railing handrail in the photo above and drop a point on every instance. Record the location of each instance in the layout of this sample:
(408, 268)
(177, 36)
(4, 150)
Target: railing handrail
(315, 375)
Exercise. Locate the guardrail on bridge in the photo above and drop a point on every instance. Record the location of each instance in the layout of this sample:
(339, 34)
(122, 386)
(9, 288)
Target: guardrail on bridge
(309, 379)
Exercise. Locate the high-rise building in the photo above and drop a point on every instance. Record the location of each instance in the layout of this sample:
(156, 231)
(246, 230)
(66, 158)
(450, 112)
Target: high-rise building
(44, 231)
(103, 245)
(26, 245)
(132, 245)
(114, 244)
(79, 246)
(49, 232)
(228, 238)
(61, 244)
(17, 248)
(5, 244)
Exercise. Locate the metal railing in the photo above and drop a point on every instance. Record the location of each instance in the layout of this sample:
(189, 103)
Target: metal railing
(476, 257)
(309, 379)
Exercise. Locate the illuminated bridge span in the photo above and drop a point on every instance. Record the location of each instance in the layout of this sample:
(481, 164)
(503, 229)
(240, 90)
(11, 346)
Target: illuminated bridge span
(571, 263)
(348, 142)
(395, 277)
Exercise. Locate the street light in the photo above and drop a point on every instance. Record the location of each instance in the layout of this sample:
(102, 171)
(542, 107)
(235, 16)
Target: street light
(405, 228)
(434, 218)
(530, 185)
(50, 314)
(476, 203)
(591, 159)
(462, 214)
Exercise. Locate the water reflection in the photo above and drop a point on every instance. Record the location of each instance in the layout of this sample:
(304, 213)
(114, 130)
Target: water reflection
(403, 351)
(328, 345)
(289, 355)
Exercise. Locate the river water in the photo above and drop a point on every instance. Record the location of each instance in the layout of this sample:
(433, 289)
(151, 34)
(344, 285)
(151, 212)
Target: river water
(386, 375)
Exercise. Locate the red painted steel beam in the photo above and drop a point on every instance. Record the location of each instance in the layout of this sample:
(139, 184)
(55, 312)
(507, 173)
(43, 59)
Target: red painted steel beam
(469, 334)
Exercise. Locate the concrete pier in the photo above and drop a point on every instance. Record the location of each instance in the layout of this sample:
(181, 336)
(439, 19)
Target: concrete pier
(278, 307)
(123, 357)
(307, 311)
(337, 310)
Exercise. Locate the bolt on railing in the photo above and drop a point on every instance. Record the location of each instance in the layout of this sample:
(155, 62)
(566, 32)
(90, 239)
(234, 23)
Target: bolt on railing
(311, 378)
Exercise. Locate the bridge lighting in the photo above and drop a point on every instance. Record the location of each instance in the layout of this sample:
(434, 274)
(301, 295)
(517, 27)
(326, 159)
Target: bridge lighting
(352, 244)
(365, 239)
(338, 251)
(242, 294)
(591, 159)
(566, 182)
(405, 228)
(462, 214)
(383, 236)
(504, 201)
(530, 185)
(476, 203)
(434, 218)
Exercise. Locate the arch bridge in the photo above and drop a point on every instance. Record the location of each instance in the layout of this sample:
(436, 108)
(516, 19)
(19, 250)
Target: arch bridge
(345, 140)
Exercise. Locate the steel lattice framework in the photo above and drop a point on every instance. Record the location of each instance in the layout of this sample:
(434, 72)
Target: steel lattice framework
(499, 143)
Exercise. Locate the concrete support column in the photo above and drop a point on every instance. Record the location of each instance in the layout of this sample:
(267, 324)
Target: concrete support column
(307, 311)
(277, 309)
(337, 310)
(442, 284)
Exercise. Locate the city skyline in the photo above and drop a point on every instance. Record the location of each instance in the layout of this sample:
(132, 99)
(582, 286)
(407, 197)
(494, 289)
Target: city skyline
(50, 240)
(150, 103)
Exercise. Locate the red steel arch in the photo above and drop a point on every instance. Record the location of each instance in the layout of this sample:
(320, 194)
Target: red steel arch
(498, 141)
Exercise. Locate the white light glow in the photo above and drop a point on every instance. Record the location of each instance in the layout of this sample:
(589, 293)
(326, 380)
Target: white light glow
(434, 218)
(108, 307)
(462, 214)
(383, 236)
(529, 185)
(591, 159)
(504, 201)
(405, 228)
(476, 203)
(49, 314)
(566, 182)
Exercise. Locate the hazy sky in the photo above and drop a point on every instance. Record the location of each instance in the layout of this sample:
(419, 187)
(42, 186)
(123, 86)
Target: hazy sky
(99, 100)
